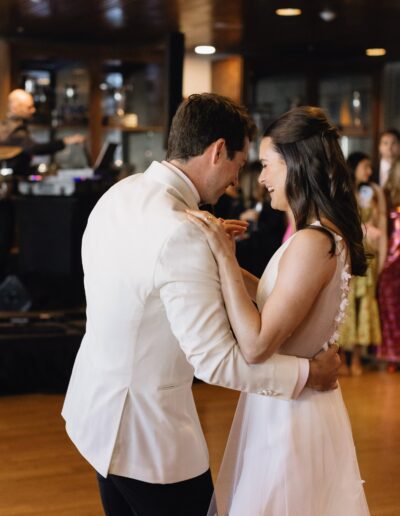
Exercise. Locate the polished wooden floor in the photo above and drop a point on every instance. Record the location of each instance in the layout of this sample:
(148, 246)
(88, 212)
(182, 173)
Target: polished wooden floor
(41, 474)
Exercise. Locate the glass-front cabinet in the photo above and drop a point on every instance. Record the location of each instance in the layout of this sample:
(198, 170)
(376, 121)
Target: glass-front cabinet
(131, 104)
(347, 100)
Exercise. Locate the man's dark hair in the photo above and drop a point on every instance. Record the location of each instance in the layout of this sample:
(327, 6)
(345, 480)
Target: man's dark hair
(394, 132)
(204, 118)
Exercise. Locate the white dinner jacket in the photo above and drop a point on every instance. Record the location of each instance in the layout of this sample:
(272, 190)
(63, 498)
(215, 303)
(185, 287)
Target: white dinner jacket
(155, 317)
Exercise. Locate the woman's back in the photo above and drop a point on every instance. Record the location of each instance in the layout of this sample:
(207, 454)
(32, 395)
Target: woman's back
(320, 325)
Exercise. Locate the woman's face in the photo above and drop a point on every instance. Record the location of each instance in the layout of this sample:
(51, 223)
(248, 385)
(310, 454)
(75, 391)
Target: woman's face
(363, 171)
(389, 147)
(273, 174)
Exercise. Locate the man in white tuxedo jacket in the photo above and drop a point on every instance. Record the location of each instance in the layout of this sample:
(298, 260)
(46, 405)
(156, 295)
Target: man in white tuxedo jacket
(155, 317)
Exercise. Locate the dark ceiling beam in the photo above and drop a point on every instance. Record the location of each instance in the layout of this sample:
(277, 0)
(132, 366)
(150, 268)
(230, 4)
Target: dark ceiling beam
(262, 67)
(245, 27)
(25, 48)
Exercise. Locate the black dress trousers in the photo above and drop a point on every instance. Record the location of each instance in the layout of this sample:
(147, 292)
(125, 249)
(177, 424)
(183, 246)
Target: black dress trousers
(123, 496)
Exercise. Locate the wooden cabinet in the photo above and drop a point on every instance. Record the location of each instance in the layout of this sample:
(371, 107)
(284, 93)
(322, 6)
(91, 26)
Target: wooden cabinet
(108, 93)
(124, 106)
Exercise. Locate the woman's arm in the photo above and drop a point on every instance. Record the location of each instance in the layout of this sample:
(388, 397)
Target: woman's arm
(236, 228)
(304, 269)
(251, 283)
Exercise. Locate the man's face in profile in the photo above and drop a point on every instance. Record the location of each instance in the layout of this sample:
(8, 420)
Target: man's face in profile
(226, 174)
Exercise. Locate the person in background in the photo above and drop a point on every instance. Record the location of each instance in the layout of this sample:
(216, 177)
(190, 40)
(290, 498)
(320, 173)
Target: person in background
(290, 225)
(230, 205)
(389, 151)
(259, 198)
(361, 326)
(389, 281)
(265, 233)
(14, 131)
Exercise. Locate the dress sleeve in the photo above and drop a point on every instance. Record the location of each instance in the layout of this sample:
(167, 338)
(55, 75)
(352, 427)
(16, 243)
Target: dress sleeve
(187, 278)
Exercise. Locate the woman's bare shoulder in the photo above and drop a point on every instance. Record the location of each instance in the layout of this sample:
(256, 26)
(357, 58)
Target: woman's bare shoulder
(310, 252)
(312, 240)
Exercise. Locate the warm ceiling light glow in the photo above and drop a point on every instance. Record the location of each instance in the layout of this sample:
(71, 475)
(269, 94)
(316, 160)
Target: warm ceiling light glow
(288, 12)
(204, 49)
(375, 52)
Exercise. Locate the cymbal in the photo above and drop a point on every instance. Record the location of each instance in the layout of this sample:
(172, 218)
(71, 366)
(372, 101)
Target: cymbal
(9, 152)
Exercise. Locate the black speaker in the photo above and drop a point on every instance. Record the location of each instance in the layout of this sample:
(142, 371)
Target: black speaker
(174, 54)
(6, 232)
(49, 232)
(49, 235)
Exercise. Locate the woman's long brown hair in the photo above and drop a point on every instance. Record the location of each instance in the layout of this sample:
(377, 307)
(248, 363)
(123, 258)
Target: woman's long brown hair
(318, 181)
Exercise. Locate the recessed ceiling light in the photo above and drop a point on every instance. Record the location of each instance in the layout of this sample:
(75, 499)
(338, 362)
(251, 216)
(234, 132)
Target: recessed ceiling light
(115, 16)
(327, 15)
(375, 52)
(289, 11)
(205, 49)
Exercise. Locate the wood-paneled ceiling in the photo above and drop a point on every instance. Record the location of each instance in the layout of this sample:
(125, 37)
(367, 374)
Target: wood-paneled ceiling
(249, 27)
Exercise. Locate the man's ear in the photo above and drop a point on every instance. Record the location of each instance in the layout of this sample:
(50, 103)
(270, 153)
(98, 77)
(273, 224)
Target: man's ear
(217, 149)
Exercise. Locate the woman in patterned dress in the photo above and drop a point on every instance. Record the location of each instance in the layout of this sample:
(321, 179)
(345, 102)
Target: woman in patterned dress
(361, 326)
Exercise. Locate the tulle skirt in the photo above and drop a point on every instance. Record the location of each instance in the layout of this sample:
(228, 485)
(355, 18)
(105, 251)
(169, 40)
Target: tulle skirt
(290, 458)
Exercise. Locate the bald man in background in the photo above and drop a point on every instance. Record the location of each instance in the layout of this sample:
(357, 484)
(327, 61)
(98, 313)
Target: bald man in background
(14, 130)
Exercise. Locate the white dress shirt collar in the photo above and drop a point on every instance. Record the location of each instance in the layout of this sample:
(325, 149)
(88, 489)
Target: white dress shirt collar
(185, 178)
